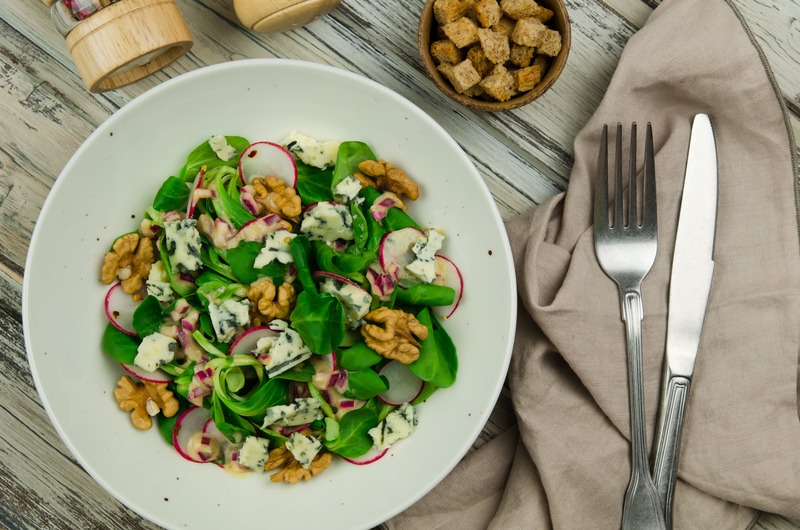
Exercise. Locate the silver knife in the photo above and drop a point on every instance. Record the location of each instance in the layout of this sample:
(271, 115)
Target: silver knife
(690, 283)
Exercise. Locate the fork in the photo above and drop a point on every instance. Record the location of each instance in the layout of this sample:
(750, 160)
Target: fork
(626, 250)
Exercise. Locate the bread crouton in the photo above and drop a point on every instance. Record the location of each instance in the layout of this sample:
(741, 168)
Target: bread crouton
(521, 55)
(474, 91)
(505, 26)
(499, 84)
(550, 43)
(488, 13)
(543, 61)
(518, 9)
(495, 45)
(447, 11)
(527, 78)
(462, 32)
(479, 61)
(445, 51)
(462, 75)
(529, 32)
(542, 13)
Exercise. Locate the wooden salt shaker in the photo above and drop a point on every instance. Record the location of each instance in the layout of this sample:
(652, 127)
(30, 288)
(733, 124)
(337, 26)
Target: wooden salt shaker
(272, 16)
(116, 42)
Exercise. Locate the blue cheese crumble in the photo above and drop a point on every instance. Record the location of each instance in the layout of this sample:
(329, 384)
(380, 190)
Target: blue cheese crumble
(183, 245)
(276, 248)
(254, 453)
(398, 424)
(355, 300)
(328, 221)
(228, 317)
(284, 351)
(220, 146)
(347, 189)
(303, 448)
(311, 151)
(302, 411)
(425, 250)
(158, 283)
(154, 350)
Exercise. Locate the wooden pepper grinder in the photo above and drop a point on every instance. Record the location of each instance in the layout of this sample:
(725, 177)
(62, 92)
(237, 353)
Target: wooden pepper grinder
(116, 42)
(272, 16)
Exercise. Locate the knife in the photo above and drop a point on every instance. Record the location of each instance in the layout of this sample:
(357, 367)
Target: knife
(690, 283)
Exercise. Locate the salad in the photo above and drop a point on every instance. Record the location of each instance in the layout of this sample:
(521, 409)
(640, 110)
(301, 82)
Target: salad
(278, 306)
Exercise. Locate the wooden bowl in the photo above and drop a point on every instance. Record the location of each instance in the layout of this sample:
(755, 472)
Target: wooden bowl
(427, 34)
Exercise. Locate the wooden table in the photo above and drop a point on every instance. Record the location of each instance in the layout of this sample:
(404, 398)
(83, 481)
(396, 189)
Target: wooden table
(525, 156)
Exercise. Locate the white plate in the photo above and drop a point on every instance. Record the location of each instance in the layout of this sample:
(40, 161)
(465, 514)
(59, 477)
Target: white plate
(102, 193)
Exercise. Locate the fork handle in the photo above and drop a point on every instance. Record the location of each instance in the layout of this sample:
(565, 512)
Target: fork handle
(632, 314)
(665, 464)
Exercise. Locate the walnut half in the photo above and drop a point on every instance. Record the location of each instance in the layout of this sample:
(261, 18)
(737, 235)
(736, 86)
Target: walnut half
(387, 177)
(129, 261)
(272, 194)
(293, 472)
(394, 334)
(270, 302)
(144, 400)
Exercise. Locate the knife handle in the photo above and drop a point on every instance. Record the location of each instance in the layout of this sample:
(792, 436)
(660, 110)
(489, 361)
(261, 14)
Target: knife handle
(668, 440)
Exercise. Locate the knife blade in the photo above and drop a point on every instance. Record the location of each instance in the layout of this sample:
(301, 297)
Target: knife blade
(689, 287)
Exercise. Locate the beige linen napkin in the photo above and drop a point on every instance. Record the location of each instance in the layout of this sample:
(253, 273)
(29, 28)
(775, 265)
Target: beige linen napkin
(567, 465)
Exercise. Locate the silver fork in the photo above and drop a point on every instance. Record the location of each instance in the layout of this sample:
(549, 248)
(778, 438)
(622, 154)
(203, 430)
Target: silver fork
(626, 250)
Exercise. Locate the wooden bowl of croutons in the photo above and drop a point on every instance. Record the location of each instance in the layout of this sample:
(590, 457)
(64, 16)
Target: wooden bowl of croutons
(494, 55)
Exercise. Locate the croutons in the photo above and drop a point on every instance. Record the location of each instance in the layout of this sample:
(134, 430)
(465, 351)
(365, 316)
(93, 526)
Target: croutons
(462, 32)
(462, 75)
(488, 13)
(495, 45)
(499, 84)
(447, 11)
(493, 49)
(550, 43)
(445, 51)
(527, 78)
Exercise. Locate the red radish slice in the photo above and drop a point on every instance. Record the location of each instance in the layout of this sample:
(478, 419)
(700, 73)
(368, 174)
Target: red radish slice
(263, 159)
(395, 251)
(211, 430)
(159, 376)
(192, 421)
(120, 307)
(194, 197)
(404, 386)
(246, 342)
(369, 457)
(448, 274)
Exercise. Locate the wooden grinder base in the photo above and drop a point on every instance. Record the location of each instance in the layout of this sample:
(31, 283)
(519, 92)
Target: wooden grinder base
(127, 41)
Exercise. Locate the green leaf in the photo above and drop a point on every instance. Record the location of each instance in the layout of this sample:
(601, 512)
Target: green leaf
(232, 426)
(300, 248)
(167, 425)
(319, 320)
(302, 374)
(360, 227)
(423, 294)
(172, 195)
(313, 183)
(348, 157)
(120, 346)
(148, 317)
(228, 207)
(397, 219)
(241, 260)
(353, 440)
(203, 155)
(438, 362)
(357, 357)
(365, 384)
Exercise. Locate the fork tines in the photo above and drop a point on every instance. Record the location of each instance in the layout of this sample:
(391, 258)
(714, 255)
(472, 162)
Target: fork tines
(636, 202)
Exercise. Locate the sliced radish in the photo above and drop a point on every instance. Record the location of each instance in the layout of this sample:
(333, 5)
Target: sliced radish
(159, 376)
(246, 342)
(211, 430)
(369, 457)
(263, 159)
(404, 386)
(380, 282)
(448, 274)
(255, 230)
(120, 307)
(383, 203)
(194, 197)
(394, 252)
(191, 422)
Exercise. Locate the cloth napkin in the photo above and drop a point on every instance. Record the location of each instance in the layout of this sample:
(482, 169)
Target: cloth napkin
(567, 464)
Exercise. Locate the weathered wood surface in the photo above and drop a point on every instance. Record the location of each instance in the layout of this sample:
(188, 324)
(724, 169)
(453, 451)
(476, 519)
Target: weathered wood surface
(524, 156)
